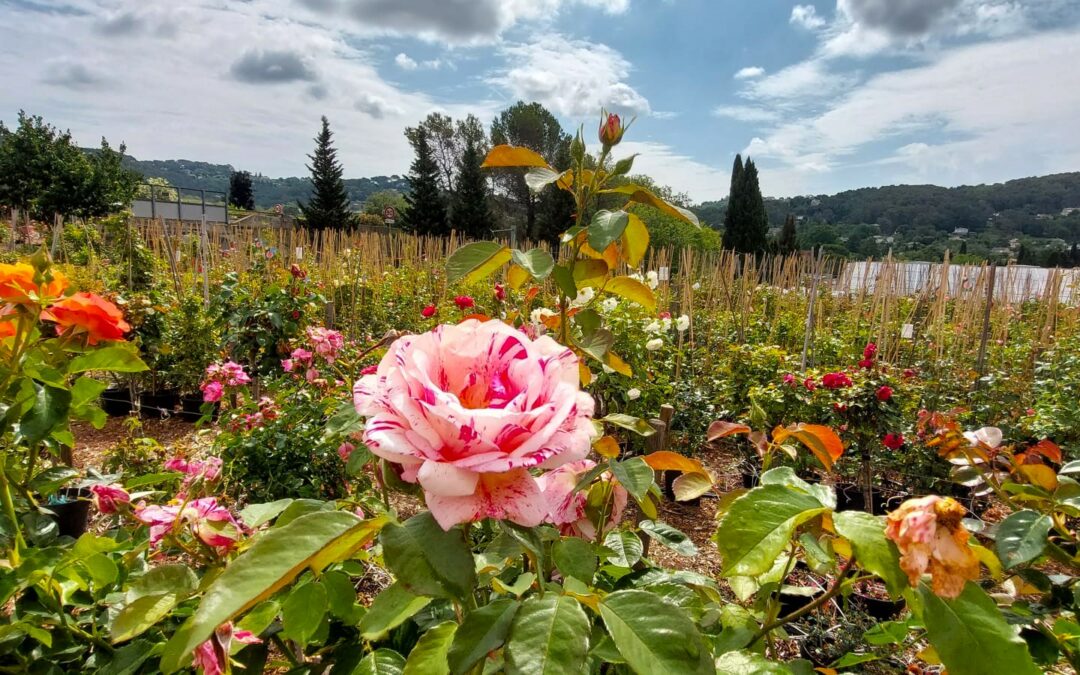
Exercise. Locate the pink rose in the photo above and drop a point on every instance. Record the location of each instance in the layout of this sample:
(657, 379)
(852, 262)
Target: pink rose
(567, 508)
(212, 391)
(931, 538)
(212, 654)
(345, 450)
(108, 498)
(327, 342)
(212, 524)
(468, 409)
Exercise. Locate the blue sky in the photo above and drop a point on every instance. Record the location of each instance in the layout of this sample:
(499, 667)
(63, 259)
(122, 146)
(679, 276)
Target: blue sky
(825, 96)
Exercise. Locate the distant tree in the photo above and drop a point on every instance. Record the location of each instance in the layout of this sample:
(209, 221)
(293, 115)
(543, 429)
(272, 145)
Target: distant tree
(1024, 256)
(425, 209)
(377, 202)
(555, 207)
(470, 214)
(328, 207)
(443, 142)
(241, 191)
(530, 125)
(1074, 255)
(754, 228)
(735, 203)
(110, 186)
(963, 248)
(789, 237)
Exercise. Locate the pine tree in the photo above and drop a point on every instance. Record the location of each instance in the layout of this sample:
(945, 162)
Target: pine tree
(425, 209)
(789, 237)
(329, 204)
(471, 216)
(241, 192)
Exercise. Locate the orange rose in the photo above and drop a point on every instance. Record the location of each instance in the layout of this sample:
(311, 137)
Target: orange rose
(8, 327)
(932, 539)
(17, 283)
(92, 314)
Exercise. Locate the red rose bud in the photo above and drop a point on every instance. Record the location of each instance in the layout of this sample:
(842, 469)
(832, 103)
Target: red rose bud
(884, 393)
(500, 292)
(297, 273)
(464, 302)
(893, 441)
(428, 311)
(870, 351)
(611, 130)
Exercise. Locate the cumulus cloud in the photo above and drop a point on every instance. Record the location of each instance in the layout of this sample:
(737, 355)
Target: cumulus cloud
(71, 75)
(749, 73)
(376, 106)
(745, 113)
(272, 67)
(806, 16)
(405, 62)
(570, 77)
(904, 18)
(806, 80)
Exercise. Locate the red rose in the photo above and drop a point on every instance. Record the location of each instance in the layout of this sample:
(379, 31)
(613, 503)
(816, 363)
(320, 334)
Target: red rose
(611, 130)
(428, 311)
(870, 351)
(810, 384)
(910, 372)
(835, 380)
(500, 292)
(866, 363)
(884, 393)
(893, 441)
(464, 302)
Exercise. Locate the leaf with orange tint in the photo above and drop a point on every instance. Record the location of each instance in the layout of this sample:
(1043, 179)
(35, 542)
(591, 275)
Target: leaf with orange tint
(533, 292)
(722, 429)
(510, 155)
(665, 460)
(607, 447)
(1039, 475)
(818, 438)
(615, 362)
(584, 374)
(1047, 449)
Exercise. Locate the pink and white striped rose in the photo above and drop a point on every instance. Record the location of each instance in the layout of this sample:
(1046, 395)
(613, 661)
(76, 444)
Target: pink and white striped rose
(468, 409)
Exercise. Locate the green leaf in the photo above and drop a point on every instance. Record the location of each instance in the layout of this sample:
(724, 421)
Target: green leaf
(549, 636)
(540, 177)
(48, 411)
(537, 261)
(115, 359)
(597, 343)
(343, 422)
(633, 290)
(174, 578)
(971, 636)
(86, 390)
(669, 536)
(276, 558)
(391, 608)
(428, 560)
(638, 194)
(50, 480)
(758, 525)
(428, 657)
(255, 515)
(653, 635)
(564, 280)
(303, 611)
(1021, 537)
(483, 630)
(873, 551)
(136, 617)
(626, 548)
(748, 663)
(630, 423)
(341, 597)
(887, 633)
(576, 558)
(605, 228)
(472, 262)
(260, 617)
(785, 475)
(634, 475)
(301, 507)
(381, 662)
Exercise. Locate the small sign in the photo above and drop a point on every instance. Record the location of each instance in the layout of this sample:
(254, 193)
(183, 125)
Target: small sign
(907, 331)
(389, 214)
(299, 252)
(177, 255)
(665, 274)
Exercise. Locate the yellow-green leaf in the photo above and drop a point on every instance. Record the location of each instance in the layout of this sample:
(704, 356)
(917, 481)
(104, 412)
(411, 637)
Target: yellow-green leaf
(633, 290)
(640, 195)
(472, 262)
(510, 155)
(634, 241)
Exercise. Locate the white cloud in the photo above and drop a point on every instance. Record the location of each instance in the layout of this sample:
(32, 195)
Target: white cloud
(404, 62)
(376, 106)
(986, 111)
(749, 73)
(806, 80)
(746, 113)
(806, 16)
(668, 166)
(570, 77)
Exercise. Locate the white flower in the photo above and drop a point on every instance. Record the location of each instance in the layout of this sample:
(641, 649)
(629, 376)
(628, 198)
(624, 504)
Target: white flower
(607, 369)
(696, 286)
(666, 323)
(636, 276)
(584, 296)
(652, 279)
(610, 304)
(539, 313)
(682, 323)
(654, 327)
(633, 394)
(654, 344)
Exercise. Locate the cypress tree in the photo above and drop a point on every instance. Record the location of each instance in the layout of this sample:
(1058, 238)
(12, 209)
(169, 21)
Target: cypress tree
(789, 237)
(425, 210)
(470, 215)
(734, 204)
(756, 225)
(241, 192)
(329, 204)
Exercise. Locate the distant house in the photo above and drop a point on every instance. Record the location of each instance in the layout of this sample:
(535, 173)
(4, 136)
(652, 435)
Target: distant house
(960, 232)
(1014, 244)
(1069, 210)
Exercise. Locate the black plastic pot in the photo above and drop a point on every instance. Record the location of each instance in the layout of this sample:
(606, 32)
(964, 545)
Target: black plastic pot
(793, 602)
(749, 479)
(882, 610)
(160, 404)
(191, 408)
(72, 513)
(116, 402)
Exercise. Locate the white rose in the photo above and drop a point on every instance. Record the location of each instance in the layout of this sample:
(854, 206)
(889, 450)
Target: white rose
(633, 394)
(539, 313)
(610, 304)
(682, 323)
(654, 327)
(652, 279)
(636, 276)
(666, 324)
(654, 344)
(696, 286)
(584, 296)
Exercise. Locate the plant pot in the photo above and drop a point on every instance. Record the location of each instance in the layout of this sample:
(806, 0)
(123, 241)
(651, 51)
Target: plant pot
(116, 402)
(793, 602)
(191, 408)
(72, 511)
(160, 404)
(749, 479)
(879, 608)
